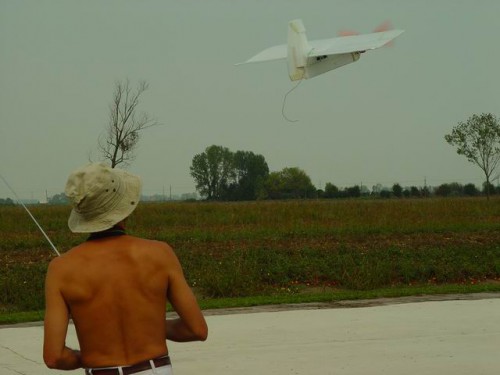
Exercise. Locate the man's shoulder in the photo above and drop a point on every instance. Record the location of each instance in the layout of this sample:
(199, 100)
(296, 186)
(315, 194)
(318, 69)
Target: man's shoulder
(151, 249)
(150, 244)
(65, 257)
(59, 265)
(69, 255)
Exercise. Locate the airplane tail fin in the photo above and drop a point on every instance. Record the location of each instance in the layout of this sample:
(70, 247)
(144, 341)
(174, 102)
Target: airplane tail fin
(300, 64)
(298, 47)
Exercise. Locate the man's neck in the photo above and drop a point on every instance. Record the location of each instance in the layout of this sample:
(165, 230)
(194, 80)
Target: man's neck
(114, 231)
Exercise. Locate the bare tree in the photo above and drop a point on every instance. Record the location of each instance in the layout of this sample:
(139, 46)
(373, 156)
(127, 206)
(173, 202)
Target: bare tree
(125, 124)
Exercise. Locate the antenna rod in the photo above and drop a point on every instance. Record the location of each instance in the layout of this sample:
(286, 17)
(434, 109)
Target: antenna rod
(29, 213)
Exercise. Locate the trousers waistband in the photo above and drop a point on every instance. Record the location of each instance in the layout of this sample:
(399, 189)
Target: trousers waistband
(127, 370)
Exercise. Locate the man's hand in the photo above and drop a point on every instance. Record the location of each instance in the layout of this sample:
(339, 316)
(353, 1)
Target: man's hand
(69, 359)
(177, 330)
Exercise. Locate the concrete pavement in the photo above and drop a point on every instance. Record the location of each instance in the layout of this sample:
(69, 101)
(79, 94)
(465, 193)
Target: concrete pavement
(432, 337)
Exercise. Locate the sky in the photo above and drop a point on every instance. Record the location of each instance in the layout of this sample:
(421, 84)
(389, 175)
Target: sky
(379, 120)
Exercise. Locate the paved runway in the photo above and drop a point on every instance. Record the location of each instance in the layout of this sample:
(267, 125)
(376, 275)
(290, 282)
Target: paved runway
(434, 337)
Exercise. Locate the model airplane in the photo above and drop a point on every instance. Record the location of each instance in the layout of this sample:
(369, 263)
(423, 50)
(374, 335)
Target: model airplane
(307, 59)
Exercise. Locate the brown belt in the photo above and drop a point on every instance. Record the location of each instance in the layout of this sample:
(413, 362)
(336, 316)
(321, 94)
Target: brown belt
(127, 370)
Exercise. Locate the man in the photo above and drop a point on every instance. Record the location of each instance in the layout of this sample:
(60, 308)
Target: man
(115, 286)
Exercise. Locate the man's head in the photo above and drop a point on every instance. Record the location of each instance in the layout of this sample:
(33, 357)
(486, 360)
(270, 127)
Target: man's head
(101, 197)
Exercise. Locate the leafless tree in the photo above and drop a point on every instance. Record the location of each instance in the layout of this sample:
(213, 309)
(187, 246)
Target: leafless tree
(125, 124)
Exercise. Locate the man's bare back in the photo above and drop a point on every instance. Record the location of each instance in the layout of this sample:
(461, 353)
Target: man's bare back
(116, 290)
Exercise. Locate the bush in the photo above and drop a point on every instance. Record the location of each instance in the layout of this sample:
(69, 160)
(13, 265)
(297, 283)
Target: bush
(471, 190)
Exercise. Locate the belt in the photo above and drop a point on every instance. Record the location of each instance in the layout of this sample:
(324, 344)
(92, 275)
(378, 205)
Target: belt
(127, 370)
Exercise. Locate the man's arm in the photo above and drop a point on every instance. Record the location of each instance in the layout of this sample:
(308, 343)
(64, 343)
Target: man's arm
(191, 325)
(55, 352)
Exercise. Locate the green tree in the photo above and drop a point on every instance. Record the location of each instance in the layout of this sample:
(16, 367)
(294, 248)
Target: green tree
(478, 139)
(457, 189)
(250, 172)
(58, 199)
(331, 191)
(385, 193)
(274, 186)
(289, 183)
(213, 171)
(352, 192)
(452, 189)
(415, 191)
(297, 183)
(443, 190)
(6, 202)
(397, 190)
(425, 192)
(470, 190)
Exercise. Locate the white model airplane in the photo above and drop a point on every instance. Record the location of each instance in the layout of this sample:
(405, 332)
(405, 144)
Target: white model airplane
(307, 59)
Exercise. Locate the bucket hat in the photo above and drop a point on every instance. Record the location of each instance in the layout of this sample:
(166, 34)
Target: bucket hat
(101, 197)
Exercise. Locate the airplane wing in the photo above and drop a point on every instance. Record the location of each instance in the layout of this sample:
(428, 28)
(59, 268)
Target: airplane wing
(332, 46)
(348, 44)
(272, 53)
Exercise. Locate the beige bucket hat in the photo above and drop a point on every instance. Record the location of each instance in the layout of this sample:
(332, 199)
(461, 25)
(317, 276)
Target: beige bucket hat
(101, 197)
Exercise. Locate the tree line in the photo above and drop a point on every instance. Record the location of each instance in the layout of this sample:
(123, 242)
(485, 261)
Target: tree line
(223, 175)
(287, 188)
(6, 202)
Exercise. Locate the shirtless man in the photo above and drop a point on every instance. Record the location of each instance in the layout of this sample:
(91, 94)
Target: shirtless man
(115, 286)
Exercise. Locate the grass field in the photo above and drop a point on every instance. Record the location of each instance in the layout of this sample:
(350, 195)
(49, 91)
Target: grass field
(283, 250)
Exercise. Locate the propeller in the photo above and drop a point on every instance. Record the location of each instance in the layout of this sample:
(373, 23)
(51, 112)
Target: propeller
(384, 26)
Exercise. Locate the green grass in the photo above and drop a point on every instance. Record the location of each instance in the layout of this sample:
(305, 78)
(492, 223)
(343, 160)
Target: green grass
(343, 295)
(21, 317)
(316, 297)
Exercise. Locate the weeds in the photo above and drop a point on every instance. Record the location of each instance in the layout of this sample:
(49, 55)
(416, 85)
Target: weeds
(22, 287)
(271, 248)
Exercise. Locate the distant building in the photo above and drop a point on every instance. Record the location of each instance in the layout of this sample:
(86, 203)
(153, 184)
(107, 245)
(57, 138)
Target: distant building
(165, 198)
(28, 202)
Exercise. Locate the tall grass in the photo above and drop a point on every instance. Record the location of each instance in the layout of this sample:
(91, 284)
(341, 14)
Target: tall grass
(255, 248)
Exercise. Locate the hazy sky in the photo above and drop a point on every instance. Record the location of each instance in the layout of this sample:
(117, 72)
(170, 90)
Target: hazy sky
(379, 120)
